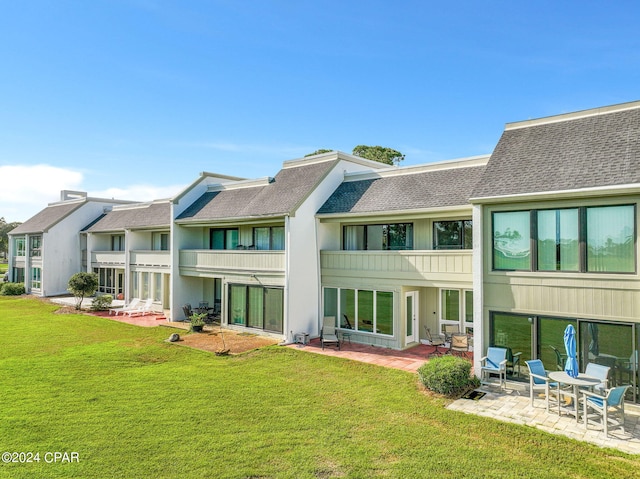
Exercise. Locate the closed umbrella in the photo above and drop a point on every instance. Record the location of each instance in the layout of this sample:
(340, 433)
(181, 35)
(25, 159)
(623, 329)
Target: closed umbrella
(571, 366)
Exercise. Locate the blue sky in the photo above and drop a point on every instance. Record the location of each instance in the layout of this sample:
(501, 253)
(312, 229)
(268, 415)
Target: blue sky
(134, 98)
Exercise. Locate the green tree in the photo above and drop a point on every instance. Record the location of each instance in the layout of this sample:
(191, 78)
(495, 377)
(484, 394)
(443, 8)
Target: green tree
(82, 285)
(388, 156)
(319, 152)
(4, 236)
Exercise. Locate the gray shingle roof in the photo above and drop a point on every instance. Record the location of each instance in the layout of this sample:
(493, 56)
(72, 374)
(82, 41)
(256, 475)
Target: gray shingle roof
(147, 215)
(429, 189)
(584, 152)
(47, 218)
(282, 196)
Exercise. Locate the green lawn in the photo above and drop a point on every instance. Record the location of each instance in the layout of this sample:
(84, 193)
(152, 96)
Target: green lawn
(134, 406)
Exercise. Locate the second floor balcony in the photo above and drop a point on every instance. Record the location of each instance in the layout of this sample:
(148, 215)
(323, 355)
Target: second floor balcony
(405, 264)
(102, 258)
(233, 260)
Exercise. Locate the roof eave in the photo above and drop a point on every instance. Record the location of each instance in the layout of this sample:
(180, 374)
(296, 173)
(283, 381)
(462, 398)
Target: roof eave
(628, 189)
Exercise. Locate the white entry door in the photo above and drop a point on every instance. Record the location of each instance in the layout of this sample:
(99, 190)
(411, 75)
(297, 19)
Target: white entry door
(411, 316)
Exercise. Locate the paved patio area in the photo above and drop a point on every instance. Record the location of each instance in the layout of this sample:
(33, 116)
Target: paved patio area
(514, 405)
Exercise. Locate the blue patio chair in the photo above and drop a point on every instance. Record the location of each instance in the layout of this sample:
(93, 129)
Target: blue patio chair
(539, 381)
(495, 362)
(601, 405)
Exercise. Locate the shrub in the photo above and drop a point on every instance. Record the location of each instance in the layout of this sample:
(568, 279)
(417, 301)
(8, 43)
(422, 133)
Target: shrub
(101, 303)
(12, 289)
(448, 375)
(82, 285)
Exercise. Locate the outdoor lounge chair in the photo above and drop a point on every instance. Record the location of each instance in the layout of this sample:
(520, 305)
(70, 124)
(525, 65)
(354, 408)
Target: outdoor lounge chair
(328, 332)
(539, 381)
(435, 341)
(134, 304)
(145, 308)
(605, 406)
(495, 362)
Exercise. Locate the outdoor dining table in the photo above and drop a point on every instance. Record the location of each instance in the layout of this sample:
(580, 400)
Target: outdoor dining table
(561, 377)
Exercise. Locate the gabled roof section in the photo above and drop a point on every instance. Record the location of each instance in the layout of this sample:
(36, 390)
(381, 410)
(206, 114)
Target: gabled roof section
(278, 196)
(48, 217)
(137, 216)
(438, 185)
(597, 148)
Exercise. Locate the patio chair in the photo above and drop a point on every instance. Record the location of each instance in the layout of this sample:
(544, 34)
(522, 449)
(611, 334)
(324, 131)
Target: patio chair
(539, 381)
(459, 345)
(495, 362)
(328, 332)
(449, 330)
(134, 304)
(186, 309)
(605, 406)
(434, 341)
(600, 372)
(513, 361)
(347, 323)
(142, 310)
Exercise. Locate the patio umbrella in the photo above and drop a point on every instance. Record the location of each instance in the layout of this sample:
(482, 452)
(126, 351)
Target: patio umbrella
(571, 366)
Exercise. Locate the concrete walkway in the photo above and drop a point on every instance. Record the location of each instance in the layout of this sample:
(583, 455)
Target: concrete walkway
(514, 405)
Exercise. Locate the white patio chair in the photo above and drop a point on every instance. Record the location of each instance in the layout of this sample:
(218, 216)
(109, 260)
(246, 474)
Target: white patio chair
(600, 372)
(328, 332)
(142, 310)
(133, 305)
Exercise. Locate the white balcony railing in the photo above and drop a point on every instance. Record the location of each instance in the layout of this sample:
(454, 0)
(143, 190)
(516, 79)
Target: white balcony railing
(441, 264)
(232, 260)
(151, 258)
(108, 258)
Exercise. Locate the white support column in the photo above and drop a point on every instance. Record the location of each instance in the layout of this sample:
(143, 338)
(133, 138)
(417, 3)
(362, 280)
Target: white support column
(478, 278)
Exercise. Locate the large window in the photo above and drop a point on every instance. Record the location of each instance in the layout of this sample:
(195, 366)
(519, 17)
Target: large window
(361, 310)
(256, 307)
(18, 275)
(160, 241)
(20, 247)
(456, 308)
(586, 239)
(36, 278)
(117, 243)
(223, 238)
(35, 246)
(452, 234)
(269, 238)
(396, 236)
(558, 240)
(110, 280)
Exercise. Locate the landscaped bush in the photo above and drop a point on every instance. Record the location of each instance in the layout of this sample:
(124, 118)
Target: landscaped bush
(11, 289)
(101, 303)
(448, 375)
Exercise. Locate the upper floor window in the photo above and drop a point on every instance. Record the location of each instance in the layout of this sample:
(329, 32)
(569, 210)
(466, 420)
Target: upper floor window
(117, 243)
(394, 236)
(223, 238)
(20, 247)
(35, 246)
(453, 234)
(270, 238)
(586, 239)
(160, 241)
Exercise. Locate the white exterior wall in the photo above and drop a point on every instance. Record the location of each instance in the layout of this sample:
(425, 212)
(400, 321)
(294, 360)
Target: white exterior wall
(61, 250)
(303, 284)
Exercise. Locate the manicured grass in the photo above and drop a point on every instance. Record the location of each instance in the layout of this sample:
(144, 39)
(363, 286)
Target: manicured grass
(134, 406)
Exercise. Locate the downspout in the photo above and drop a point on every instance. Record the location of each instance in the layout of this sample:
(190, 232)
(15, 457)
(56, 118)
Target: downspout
(287, 265)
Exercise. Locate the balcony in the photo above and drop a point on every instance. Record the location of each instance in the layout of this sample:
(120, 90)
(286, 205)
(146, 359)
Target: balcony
(445, 265)
(160, 259)
(232, 260)
(100, 258)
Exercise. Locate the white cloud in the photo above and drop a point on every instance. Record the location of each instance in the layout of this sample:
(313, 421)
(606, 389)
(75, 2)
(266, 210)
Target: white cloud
(25, 190)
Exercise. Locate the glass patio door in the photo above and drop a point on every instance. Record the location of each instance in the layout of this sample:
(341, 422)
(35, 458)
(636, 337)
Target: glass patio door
(411, 316)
